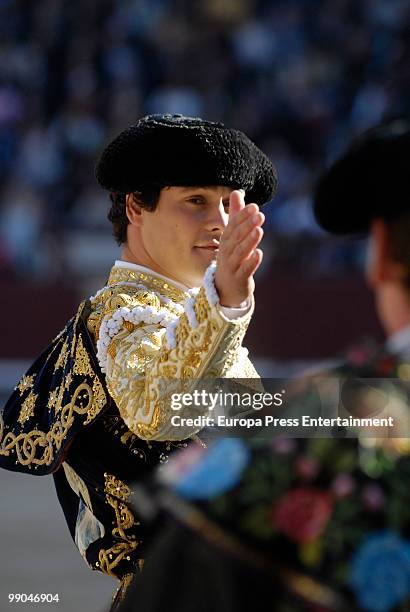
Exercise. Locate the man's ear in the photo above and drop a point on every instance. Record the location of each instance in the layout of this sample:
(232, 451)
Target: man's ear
(133, 210)
(380, 267)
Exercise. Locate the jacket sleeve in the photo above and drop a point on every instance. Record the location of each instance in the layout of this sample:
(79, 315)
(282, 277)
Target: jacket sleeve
(150, 359)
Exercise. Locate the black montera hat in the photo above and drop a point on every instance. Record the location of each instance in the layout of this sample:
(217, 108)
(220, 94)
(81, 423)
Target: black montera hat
(371, 180)
(183, 151)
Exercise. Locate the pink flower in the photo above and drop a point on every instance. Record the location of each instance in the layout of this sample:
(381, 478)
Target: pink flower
(302, 513)
(306, 467)
(284, 446)
(343, 485)
(357, 356)
(373, 497)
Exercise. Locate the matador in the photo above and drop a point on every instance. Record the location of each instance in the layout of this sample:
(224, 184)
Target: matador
(93, 410)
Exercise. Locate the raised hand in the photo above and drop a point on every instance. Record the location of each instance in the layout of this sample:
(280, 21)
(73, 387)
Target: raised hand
(238, 257)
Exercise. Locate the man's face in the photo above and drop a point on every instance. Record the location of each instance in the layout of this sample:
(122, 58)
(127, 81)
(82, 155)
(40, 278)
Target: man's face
(180, 238)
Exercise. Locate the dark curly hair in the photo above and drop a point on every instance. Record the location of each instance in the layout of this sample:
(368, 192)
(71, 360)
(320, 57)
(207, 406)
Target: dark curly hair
(146, 197)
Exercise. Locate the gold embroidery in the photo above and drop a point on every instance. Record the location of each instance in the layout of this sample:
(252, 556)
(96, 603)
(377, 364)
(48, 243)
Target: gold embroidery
(62, 358)
(56, 346)
(115, 487)
(118, 300)
(112, 350)
(137, 360)
(126, 580)
(94, 321)
(139, 357)
(148, 299)
(27, 408)
(129, 326)
(136, 298)
(169, 371)
(116, 426)
(61, 332)
(53, 399)
(155, 339)
(68, 380)
(27, 445)
(126, 288)
(75, 323)
(99, 401)
(149, 281)
(117, 492)
(82, 364)
(60, 398)
(88, 398)
(145, 431)
(25, 383)
(143, 374)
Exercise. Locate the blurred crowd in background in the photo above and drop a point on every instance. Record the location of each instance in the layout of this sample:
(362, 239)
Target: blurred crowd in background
(300, 77)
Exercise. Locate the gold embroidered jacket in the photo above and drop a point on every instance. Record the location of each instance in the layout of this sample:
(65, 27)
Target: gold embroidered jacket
(142, 369)
(93, 408)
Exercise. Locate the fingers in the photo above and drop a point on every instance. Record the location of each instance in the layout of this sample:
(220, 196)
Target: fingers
(250, 265)
(239, 218)
(238, 256)
(241, 231)
(244, 249)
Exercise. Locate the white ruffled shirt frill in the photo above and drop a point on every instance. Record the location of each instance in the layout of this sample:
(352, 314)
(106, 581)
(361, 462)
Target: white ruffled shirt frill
(112, 324)
(229, 313)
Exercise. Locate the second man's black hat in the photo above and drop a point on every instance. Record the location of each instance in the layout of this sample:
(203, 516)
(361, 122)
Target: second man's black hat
(372, 179)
